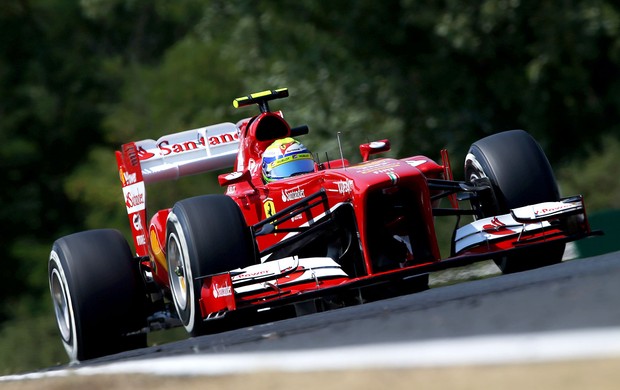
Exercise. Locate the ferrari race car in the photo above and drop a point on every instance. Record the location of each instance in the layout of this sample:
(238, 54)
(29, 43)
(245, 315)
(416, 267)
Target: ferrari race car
(293, 234)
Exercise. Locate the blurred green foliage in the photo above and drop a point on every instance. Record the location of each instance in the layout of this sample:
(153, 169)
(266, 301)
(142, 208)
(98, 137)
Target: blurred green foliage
(79, 78)
(595, 177)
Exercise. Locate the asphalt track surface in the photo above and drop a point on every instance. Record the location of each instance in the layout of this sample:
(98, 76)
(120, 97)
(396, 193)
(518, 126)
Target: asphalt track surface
(573, 295)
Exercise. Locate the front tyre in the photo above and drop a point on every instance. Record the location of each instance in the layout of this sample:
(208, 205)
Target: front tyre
(520, 174)
(97, 294)
(206, 235)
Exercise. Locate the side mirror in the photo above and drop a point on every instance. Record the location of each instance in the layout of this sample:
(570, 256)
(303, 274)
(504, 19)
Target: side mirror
(226, 179)
(375, 147)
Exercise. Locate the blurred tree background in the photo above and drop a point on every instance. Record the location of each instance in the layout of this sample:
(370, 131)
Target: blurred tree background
(79, 78)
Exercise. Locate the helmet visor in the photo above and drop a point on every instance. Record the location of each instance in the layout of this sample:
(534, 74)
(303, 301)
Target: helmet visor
(292, 167)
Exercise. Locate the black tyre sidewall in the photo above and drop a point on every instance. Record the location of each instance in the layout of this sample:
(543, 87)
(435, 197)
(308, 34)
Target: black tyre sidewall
(107, 297)
(212, 231)
(517, 168)
(520, 175)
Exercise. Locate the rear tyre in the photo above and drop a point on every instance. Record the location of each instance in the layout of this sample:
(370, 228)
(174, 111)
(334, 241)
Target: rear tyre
(98, 297)
(519, 174)
(206, 235)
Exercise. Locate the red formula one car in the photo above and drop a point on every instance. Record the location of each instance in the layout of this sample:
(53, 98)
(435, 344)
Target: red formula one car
(295, 233)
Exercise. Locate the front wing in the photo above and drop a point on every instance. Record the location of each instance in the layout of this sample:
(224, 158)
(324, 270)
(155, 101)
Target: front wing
(539, 223)
(293, 280)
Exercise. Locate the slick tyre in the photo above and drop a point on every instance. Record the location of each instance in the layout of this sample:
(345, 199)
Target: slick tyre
(97, 294)
(206, 235)
(519, 174)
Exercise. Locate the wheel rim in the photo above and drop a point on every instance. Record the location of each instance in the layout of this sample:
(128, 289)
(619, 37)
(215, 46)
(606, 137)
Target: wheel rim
(61, 305)
(176, 270)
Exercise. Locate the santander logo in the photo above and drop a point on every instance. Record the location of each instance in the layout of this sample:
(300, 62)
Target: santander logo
(550, 210)
(143, 154)
(135, 197)
(497, 227)
(293, 194)
(165, 147)
(221, 291)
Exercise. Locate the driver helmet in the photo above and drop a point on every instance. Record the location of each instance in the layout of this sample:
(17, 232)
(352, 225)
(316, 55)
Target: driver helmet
(284, 158)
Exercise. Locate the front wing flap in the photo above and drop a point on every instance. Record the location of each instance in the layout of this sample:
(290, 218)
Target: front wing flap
(542, 222)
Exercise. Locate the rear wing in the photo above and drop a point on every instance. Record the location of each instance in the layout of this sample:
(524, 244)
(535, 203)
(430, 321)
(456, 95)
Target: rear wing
(168, 158)
(185, 153)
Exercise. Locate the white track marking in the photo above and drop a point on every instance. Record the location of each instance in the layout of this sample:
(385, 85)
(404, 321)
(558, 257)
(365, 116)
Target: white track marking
(466, 351)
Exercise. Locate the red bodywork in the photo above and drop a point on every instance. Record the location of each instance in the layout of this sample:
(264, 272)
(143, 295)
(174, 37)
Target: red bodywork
(360, 189)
